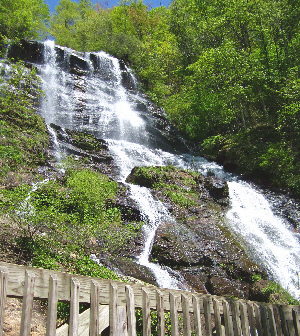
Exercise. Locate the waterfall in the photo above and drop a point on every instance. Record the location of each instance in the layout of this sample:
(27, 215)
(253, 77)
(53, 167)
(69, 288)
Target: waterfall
(92, 97)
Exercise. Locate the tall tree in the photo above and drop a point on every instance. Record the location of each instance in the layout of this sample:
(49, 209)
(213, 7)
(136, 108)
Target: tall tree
(23, 18)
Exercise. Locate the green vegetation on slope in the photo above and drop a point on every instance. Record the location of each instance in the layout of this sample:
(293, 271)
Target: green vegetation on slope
(59, 223)
(221, 69)
(24, 135)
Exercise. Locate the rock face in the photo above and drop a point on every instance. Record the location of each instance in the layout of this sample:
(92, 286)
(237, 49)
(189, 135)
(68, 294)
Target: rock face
(92, 153)
(199, 245)
(85, 146)
(28, 51)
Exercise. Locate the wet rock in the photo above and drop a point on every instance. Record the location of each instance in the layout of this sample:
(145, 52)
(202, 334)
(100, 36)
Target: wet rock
(129, 211)
(133, 269)
(127, 80)
(194, 280)
(60, 56)
(78, 65)
(217, 188)
(257, 292)
(85, 146)
(225, 287)
(28, 51)
(198, 245)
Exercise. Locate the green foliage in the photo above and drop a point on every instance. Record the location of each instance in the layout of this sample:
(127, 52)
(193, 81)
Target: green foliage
(219, 68)
(59, 221)
(23, 18)
(275, 294)
(154, 321)
(23, 133)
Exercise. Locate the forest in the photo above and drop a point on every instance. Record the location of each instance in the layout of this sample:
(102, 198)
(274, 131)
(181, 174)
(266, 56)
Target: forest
(226, 72)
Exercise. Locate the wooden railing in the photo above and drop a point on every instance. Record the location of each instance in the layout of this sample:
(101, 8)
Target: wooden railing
(113, 305)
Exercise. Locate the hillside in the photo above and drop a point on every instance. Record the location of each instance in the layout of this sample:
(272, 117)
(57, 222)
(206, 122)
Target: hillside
(57, 216)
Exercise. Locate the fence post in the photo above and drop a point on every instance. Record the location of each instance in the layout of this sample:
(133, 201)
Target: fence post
(113, 309)
(146, 313)
(185, 302)
(227, 319)
(258, 320)
(131, 320)
(74, 308)
(277, 320)
(235, 310)
(197, 318)
(244, 319)
(265, 321)
(272, 322)
(207, 315)
(217, 315)
(296, 317)
(52, 305)
(174, 315)
(94, 310)
(3, 291)
(160, 307)
(283, 322)
(251, 319)
(27, 303)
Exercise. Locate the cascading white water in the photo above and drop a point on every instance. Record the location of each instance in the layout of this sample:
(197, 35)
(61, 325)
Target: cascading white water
(99, 104)
(267, 237)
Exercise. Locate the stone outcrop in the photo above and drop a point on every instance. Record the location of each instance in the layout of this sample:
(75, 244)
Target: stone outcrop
(28, 51)
(199, 246)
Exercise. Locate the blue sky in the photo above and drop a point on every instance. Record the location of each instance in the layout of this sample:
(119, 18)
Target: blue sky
(109, 3)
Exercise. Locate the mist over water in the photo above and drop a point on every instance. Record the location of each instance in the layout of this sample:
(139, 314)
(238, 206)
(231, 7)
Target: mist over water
(97, 102)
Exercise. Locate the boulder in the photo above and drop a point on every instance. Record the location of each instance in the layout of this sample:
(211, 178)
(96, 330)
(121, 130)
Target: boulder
(217, 187)
(198, 245)
(28, 51)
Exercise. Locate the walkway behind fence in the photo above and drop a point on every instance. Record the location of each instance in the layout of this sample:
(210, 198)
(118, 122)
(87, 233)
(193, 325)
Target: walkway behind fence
(113, 305)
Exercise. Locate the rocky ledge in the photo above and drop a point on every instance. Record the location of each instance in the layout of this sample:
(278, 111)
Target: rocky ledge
(199, 246)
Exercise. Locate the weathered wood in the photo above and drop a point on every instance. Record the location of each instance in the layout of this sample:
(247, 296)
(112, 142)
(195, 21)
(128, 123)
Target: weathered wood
(17, 277)
(272, 322)
(251, 318)
(146, 313)
(207, 315)
(227, 319)
(84, 322)
(291, 328)
(113, 309)
(94, 310)
(74, 307)
(122, 323)
(244, 319)
(52, 306)
(174, 315)
(265, 320)
(131, 320)
(27, 305)
(160, 314)
(217, 316)
(103, 317)
(296, 318)
(235, 310)
(197, 318)
(283, 322)
(277, 320)
(3, 291)
(258, 320)
(185, 302)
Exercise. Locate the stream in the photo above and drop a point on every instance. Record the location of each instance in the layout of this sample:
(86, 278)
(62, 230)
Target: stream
(103, 99)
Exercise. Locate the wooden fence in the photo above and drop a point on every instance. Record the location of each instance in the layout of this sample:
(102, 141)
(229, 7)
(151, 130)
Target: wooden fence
(113, 306)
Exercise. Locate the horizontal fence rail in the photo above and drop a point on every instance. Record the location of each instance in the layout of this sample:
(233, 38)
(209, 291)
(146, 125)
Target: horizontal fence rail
(115, 306)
